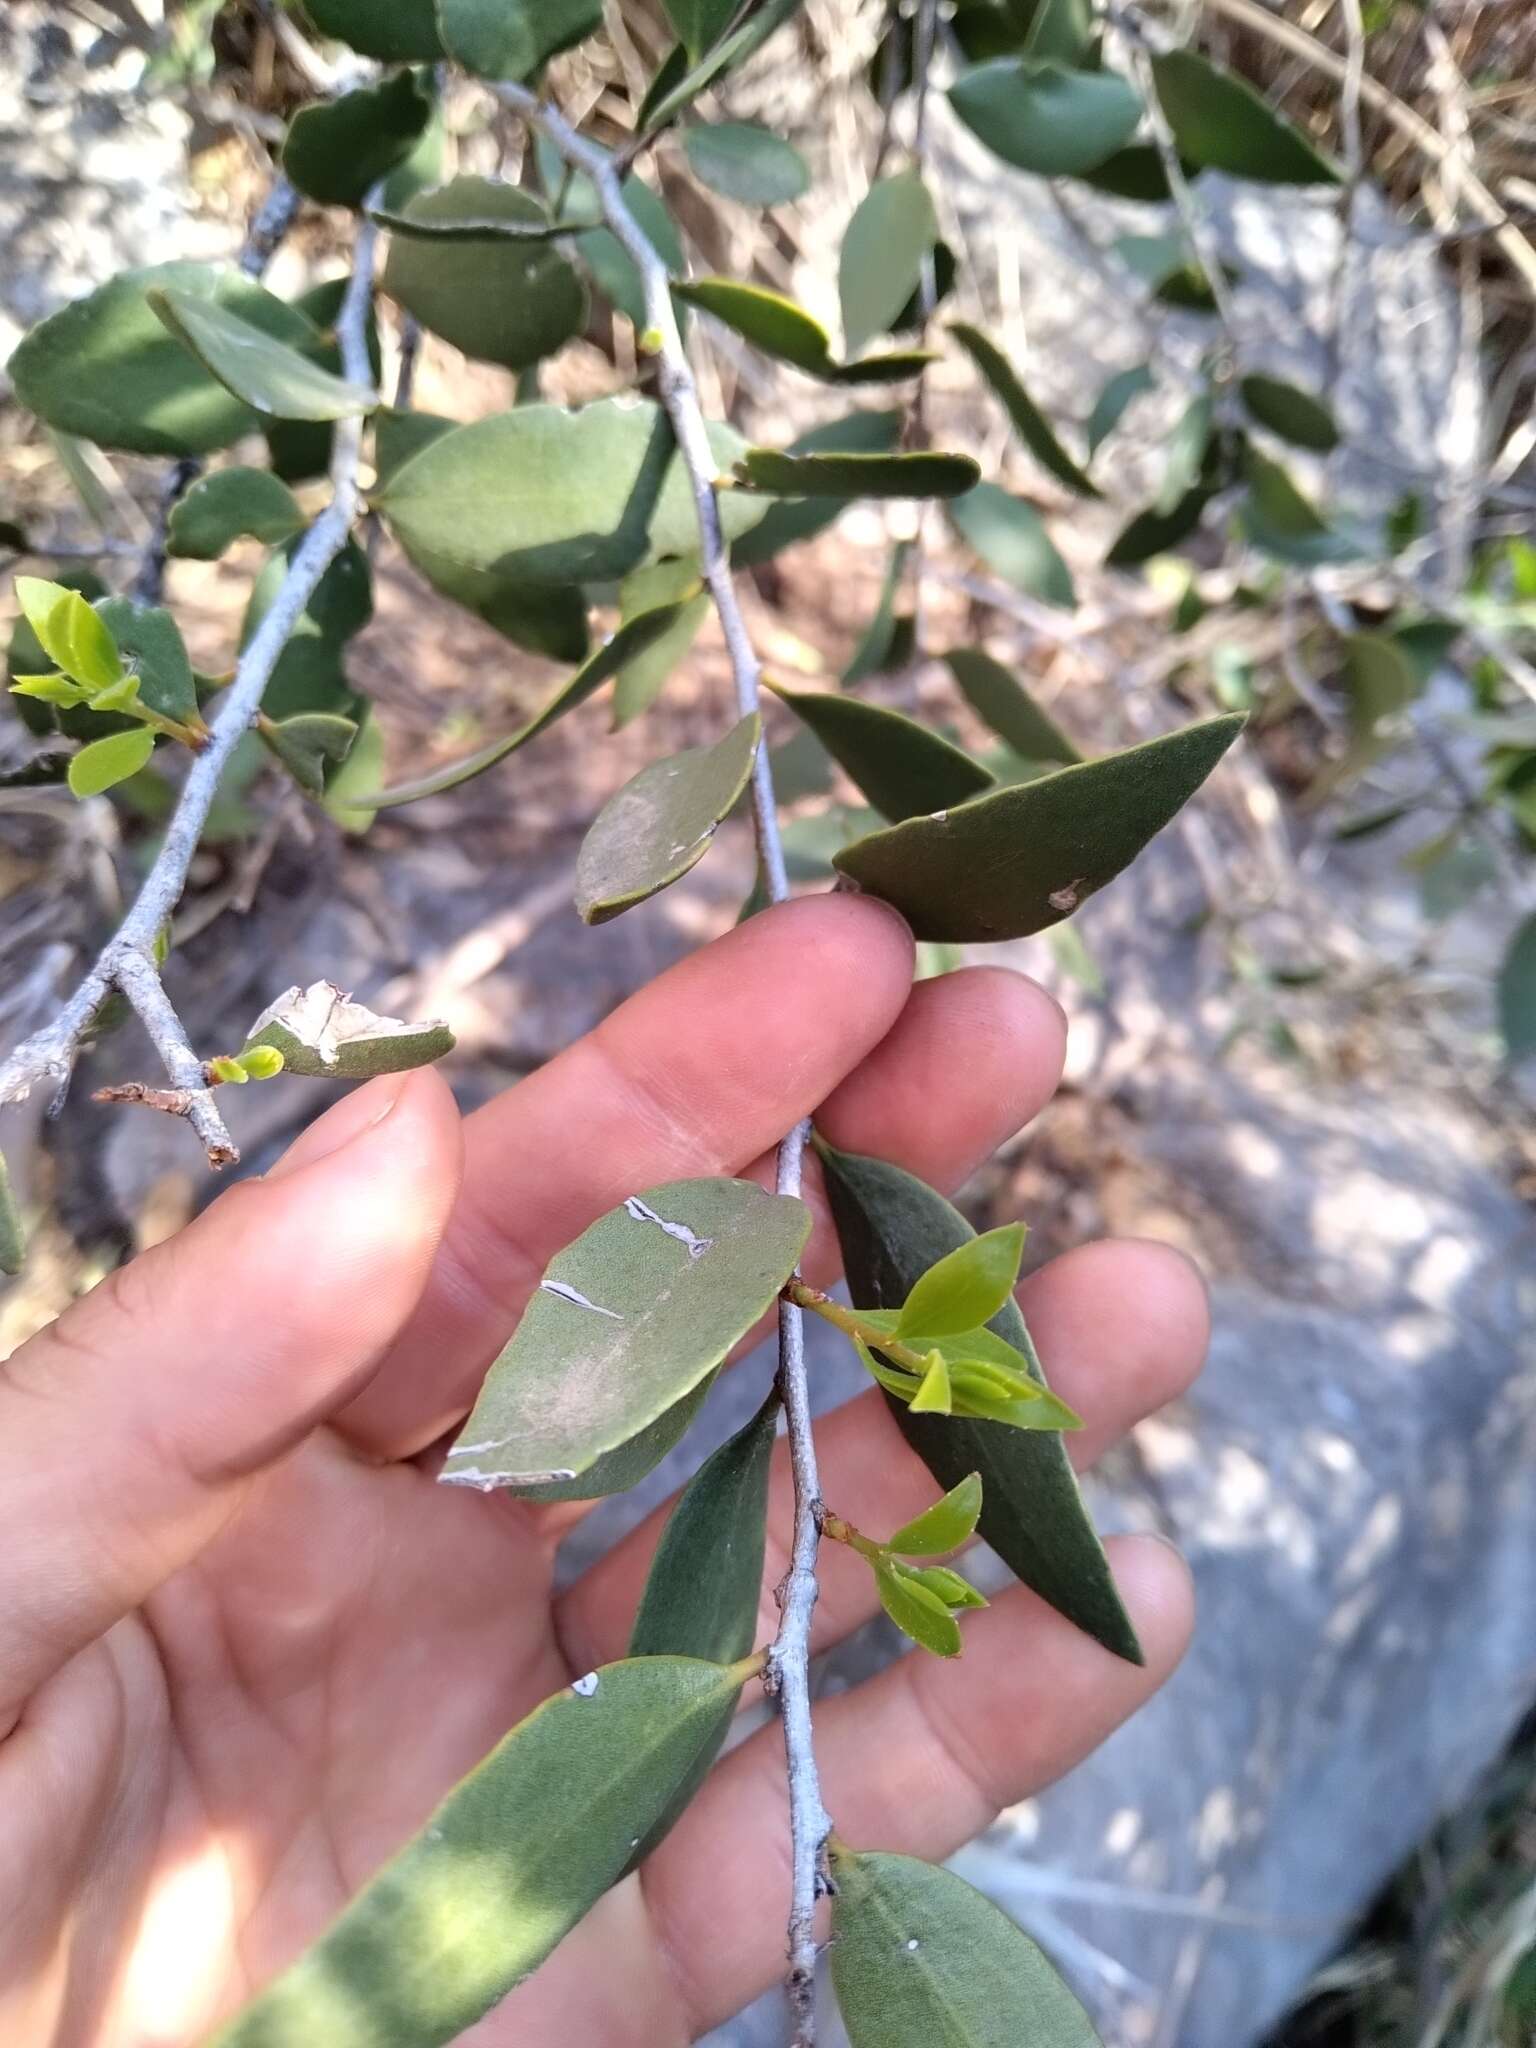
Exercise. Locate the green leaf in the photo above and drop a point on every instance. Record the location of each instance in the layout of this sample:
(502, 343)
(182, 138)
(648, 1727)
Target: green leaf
(785, 475)
(945, 1526)
(13, 1233)
(512, 38)
(1135, 172)
(1284, 522)
(627, 1319)
(892, 230)
(1045, 118)
(1005, 865)
(1517, 993)
(611, 265)
(700, 23)
(1222, 124)
(337, 150)
(919, 1958)
(1062, 30)
(1188, 446)
(1034, 429)
(619, 1470)
(507, 301)
(261, 1063)
(744, 162)
(359, 773)
(767, 319)
(968, 1286)
(987, 1377)
(309, 744)
(880, 636)
(1152, 532)
(221, 508)
(934, 1395)
(150, 642)
(728, 54)
(631, 639)
(996, 695)
(323, 1035)
(311, 670)
(1293, 414)
(788, 522)
(69, 632)
(400, 31)
(106, 369)
(1011, 538)
(558, 497)
(107, 762)
(645, 675)
(660, 824)
(269, 375)
(515, 1856)
(904, 769)
(917, 1612)
(300, 449)
(948, 1585)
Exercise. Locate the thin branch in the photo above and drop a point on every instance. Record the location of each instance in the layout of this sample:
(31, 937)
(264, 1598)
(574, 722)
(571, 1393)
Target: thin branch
(129, 960)
(788, 1672)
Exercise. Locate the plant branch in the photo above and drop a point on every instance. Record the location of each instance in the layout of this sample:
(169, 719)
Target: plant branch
(788, 1670)
(129, 961)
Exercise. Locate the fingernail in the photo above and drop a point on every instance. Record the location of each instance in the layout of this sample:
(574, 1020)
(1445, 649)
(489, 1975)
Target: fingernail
(351, 1118)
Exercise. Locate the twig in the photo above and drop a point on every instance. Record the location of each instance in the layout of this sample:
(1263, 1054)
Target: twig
(788, 1672)
(128, 961)
(1354, 177)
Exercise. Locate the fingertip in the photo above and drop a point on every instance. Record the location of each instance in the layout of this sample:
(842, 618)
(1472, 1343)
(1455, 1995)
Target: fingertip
(1158, 1589)
(859, 939)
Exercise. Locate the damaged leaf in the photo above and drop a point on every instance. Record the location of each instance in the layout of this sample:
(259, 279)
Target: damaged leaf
(324, 1035)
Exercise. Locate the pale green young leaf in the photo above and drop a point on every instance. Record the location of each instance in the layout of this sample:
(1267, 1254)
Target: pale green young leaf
(903, 768)
(225, 506)
(956, 1593)
(261, 1063)
(966, 1287)
(933, 1395)
(106, 762)
(892, 230)
(123, 695)
(917, 1612)
(627, 1319)
(50, 689)
(950, 1522)
(268, 375)
(69, 632)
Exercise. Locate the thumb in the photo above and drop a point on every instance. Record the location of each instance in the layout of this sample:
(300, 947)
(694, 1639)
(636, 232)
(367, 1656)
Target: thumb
(130, 1430)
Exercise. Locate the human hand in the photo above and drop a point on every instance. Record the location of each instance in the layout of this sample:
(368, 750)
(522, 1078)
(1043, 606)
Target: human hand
(247, 1643)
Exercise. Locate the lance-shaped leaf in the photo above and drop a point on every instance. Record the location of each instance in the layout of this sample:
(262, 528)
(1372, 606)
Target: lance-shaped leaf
(336, 150)
(1151, 532)
(1282, 520)
(1135, 172)
(920, 1957)
(784, 330)
(996, 695)
(266, 374)
(645, 674)
(1005, 865)
(150, 643)
(1034, 429)
(1222, 124)
(1517, 992)
(324, 1035)
(13, 1234)
(631, 639)
(1043, 117)
(744, 162)
(881, 637)
(660, 824)
(516, 1854)
(405, 31)
(892, 230)
(1295, 415)
(904, 769)
(792, 520)
(626, 1320)
(700, 22)
(309, 744)
(728, 54)
(512, 38)
(950, 1522)
(105, 763)
(967, 1287)
(1188, 447)
(508, 301)
(783, 475)
(892, 1227)
(1110, 406)
(1010, 537)
(557, 497)
(916, 1610)
(106, 368)
(228, 505)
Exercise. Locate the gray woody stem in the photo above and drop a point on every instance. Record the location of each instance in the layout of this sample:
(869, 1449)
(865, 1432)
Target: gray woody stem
(128, 960)
(788, 1671)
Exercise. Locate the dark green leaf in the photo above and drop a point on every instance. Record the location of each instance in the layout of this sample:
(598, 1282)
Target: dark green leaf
(891, 1228)
(508, 301)
(997, 696)
(222, 507)
(728, 54)
(105, 367)
(660, 824)
(856, 476)
(1034, 429)
(919, 1958)
(1135, 172)
(311, 670)
(337, 150)
(1517, 993)
(967, 1287)
(1062, 30)
(784, 524)
(1010, 537)
(904, 769)
(1293, 414)
(400, 31)
(700, 23)
(1187, 449)
(644, 676)
(323, 1035)
(104, 763)
(874, 650)
(69, 632)
(950, 1522)
(744, 162)
(309, 744)
(892, 230)
(1110, 406)
(1222, 124)
(917, 1612)
(1153, 533)
(1014, 862)
(519, 1852)
(637, 1311)
(150, 642)
(612, 268)
(1045, 118)
(512, 38)
(631, 639)
(13, 1233)
(269, 375)
(302, 448)
(1284, 522)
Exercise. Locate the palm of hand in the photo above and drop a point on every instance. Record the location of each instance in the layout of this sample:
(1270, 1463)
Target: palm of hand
(316, 1645)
